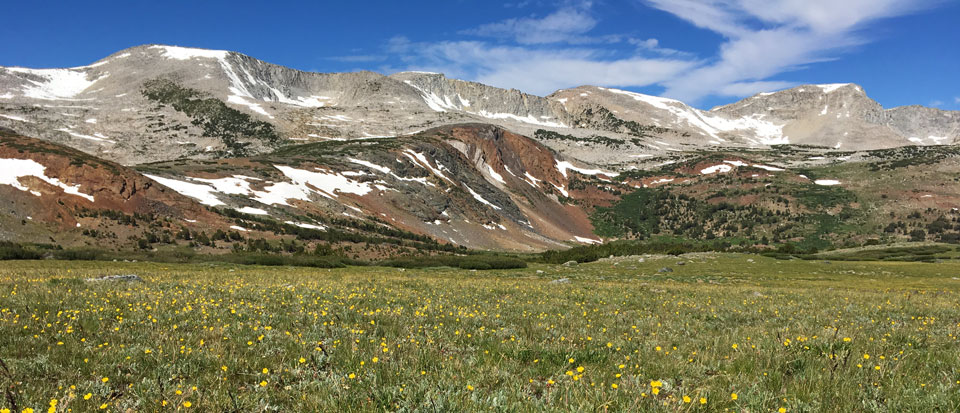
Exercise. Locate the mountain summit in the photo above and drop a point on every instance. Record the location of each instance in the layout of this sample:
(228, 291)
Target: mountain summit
(128, 107)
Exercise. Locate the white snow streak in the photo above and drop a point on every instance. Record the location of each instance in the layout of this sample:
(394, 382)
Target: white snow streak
(97, 136)
(480, 198)
(252, 211)
(55, 84)
(370, 165)
(11, 170)
(495, 175)
(17, 118)
(563, 166)
(583, 240)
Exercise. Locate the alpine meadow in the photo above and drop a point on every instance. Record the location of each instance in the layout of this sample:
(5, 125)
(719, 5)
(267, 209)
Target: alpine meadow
(571, 205)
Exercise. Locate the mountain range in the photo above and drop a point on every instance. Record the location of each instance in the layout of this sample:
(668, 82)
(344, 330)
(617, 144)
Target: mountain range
(196, 141)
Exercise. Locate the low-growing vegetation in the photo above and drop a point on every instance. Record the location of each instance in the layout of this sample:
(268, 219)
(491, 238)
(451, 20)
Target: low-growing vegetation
(698, 332)
(234, 128)
(545, 135)
(602, 119)
(471, 262)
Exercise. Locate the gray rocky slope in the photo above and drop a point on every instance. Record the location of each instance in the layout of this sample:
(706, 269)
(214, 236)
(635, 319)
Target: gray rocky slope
(103, 109)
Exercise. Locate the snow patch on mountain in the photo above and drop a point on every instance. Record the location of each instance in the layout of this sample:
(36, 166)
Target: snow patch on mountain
(587, 241)
(370, 165)
(307, 226)
(233, 185)
(432, 100)
(480, 198)
(252, 211)
(55, 84)
(16, 118)
(11, 170)
(827, 88)
(446, 103)
(325, 183)
(768, 168)
(767, 132)
(721, 168)
(929, 140)
(563, 166)
(525, 119)
(495, 175)
(562, 189)
(239, 100)
(96, 136)
(304, 183)
(532, 180)
(206, 194)
(239, 92)
(186, 53)
(307, 102)
(421, 160)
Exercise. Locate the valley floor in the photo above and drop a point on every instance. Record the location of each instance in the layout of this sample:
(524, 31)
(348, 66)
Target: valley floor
(717, 332)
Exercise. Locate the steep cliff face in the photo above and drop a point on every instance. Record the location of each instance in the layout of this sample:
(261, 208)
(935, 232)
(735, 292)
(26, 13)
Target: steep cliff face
(924, 126)
(442, 95)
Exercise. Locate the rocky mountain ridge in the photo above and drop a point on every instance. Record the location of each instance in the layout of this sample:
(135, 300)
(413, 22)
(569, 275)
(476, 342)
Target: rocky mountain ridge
(104, 109)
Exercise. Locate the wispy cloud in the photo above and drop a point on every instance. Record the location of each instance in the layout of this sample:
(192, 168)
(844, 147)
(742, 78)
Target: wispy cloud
(540, 54)
(935, 103)
(564, 25)
(956, 99)
(653, 45)
(539, 71)
(765, 38)
(762, 39)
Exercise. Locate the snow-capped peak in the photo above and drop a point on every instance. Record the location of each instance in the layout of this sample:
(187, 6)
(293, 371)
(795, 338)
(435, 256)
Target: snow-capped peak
(827, 88)
(420, 72)
(186, 53)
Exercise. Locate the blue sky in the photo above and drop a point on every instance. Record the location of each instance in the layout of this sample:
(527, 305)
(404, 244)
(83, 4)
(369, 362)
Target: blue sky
(705, 52)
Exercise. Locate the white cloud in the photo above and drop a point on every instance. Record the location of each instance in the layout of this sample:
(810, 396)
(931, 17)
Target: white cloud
(766, 38)
(653, 45)
(537, 71)
(763, 38)
(557, 72)
(564, 25)
(956, 99)
(935, 103)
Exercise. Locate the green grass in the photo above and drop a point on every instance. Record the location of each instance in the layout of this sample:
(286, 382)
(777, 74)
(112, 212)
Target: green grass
(250, 338)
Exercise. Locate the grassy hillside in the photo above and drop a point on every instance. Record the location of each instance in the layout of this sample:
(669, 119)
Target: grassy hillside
(883, 197)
